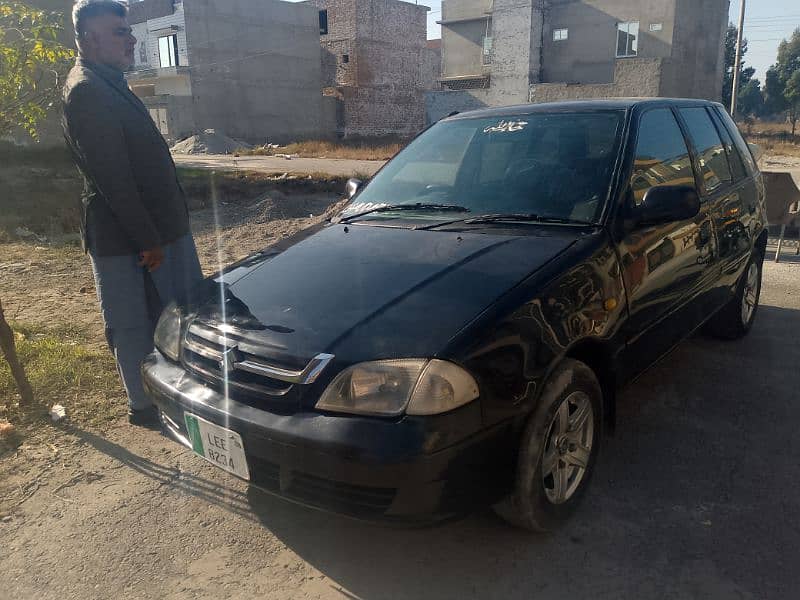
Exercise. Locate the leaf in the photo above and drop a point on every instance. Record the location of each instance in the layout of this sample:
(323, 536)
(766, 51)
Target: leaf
(29, 48)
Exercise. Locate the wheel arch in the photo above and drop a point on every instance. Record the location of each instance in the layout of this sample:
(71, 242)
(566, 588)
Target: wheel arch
(598, 356)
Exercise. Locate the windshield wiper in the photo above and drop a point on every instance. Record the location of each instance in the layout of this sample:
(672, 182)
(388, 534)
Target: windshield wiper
(419, 206)
(524, 217)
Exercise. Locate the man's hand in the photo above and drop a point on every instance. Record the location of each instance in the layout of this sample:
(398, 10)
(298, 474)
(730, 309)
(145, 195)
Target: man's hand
(151, 259)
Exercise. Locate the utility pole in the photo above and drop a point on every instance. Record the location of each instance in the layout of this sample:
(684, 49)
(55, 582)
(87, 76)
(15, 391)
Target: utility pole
(738, 63)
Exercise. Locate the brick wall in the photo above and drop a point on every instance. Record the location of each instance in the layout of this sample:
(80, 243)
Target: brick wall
(374, 53)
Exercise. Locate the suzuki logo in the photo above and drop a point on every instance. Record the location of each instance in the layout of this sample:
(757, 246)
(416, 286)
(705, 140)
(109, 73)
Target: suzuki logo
(227, 362)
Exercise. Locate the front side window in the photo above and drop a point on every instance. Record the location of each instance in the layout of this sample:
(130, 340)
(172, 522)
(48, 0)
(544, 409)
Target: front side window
(560, 35)
(627, 39)
(711, 153)
(168, 51)
(662, 157)
(550, 164)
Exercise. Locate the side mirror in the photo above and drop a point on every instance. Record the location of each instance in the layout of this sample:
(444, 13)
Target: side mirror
(352, 186)
(667, 204)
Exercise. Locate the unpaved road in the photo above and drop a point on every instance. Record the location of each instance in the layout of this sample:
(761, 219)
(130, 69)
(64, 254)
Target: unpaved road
(273, 164)
(697, 496)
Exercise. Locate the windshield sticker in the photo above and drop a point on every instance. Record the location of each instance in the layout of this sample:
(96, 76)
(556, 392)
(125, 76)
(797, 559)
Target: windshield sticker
(506, 127)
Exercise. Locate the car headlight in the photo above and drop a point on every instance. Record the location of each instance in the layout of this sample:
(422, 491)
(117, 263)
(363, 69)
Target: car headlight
(167, 337)
(391, 387)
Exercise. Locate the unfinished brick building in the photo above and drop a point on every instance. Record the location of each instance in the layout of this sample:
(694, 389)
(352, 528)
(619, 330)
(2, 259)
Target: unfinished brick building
(373, 57)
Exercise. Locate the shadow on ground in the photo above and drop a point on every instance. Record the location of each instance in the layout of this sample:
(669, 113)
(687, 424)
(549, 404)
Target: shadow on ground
(695, 496)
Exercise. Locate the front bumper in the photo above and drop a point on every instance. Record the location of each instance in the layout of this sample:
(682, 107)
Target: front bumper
(412, 469)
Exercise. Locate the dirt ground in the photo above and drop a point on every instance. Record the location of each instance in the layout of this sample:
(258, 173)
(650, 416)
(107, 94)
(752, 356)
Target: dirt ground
(696, 496)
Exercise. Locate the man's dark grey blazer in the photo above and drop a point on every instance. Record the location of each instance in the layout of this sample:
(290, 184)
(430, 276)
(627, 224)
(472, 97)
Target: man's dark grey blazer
(132, 200)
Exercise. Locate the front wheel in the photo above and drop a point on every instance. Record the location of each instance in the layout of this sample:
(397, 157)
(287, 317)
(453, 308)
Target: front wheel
(558, 450)
(736, 318)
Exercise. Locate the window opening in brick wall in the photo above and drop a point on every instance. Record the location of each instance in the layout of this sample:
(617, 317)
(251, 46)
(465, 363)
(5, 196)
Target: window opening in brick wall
(345, 58)
(143, 52)
(627, 39)
(487, 43)
(323, 22)
(560, 35)
(168, 51)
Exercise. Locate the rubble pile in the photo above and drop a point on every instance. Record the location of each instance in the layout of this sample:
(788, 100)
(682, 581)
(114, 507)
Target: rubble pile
(209, 142)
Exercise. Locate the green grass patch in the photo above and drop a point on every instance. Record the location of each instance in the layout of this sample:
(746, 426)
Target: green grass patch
(62, 370)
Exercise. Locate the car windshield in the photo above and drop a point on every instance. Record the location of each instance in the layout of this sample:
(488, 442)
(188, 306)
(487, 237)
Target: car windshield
(556, 166)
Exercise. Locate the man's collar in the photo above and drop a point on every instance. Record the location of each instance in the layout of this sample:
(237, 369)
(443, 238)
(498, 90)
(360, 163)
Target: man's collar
(106, 71)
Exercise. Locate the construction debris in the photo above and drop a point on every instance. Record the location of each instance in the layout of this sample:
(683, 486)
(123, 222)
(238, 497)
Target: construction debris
(57, 413)
(209, 142)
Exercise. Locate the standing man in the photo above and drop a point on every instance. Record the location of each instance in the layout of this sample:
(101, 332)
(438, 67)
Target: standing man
(135, 222)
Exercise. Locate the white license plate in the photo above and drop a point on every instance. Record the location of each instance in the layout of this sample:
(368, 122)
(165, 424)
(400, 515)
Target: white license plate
(217, 445)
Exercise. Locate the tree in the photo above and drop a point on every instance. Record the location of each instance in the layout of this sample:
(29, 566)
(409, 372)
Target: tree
(774, 87)
(789, 56)
(787, 78)
(33, 63)
(750, 101)
(746, 73)
(792, 95)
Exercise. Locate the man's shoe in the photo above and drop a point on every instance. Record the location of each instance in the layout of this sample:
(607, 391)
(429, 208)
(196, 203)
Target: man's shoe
(145, 417)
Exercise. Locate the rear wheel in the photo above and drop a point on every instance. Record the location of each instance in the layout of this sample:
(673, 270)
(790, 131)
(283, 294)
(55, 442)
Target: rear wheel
(736, 318)
(558, 450)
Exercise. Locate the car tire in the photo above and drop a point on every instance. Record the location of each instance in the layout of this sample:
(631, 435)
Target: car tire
(549, 481)
(735, 319)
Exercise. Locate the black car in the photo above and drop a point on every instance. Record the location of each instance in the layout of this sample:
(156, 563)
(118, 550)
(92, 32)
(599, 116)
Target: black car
(454, 338)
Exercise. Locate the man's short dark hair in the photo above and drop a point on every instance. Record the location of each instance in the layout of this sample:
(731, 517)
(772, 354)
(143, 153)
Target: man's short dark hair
(88, 9)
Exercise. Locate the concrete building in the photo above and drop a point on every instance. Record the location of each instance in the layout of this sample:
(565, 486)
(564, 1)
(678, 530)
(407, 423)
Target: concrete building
(501, 52)
(375, 65)
(247, 68)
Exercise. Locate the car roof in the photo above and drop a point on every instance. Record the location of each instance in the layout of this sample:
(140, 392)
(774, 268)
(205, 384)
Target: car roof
(580, 105)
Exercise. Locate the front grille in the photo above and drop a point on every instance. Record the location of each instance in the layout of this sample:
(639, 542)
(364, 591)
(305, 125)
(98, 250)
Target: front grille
(228, 355)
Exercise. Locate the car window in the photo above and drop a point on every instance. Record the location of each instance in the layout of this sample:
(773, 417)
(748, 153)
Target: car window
(734, 158)
(662, 157)
(549, 164)
(710, 152)
(738, 141)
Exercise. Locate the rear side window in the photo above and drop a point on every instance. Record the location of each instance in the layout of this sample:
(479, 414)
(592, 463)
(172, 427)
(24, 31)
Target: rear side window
(662, 157)
(734, 158)
(738, 141)
(711, 154)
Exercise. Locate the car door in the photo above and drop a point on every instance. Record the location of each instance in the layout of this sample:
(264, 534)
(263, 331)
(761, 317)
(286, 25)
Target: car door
(667, 267)
(725, 188)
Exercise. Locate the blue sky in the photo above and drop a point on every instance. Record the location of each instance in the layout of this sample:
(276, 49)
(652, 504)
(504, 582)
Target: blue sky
(767, 22)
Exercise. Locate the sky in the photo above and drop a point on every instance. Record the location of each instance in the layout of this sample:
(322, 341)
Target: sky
(766, 23)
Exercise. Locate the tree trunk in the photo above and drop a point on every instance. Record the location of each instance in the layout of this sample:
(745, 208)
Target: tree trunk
(10, 351)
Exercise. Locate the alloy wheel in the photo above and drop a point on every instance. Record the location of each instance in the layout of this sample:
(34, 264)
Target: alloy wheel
(568, 447)
(750, 294)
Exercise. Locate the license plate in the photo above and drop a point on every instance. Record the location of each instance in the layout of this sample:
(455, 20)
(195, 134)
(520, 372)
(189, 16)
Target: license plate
(217, 445)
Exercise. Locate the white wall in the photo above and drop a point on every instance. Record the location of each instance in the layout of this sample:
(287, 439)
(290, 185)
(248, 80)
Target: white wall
(147, 34)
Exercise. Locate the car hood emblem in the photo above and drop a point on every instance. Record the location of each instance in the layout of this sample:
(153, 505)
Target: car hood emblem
(227, 362)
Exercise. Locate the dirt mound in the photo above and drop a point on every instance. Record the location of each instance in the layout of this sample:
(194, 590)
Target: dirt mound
(209, 142)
